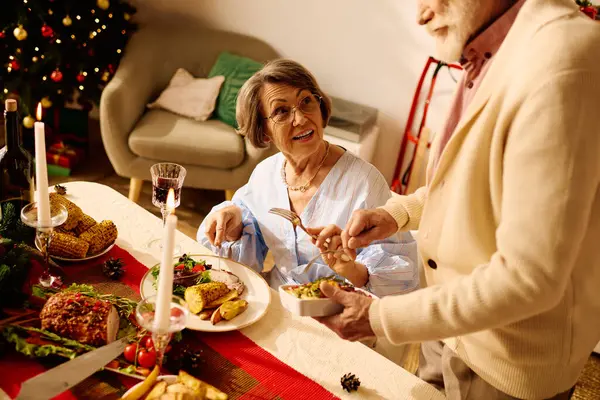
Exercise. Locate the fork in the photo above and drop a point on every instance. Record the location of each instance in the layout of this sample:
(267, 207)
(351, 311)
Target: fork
(293, 218)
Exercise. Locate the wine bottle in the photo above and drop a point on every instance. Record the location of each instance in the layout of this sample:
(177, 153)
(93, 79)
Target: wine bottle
(16, 178)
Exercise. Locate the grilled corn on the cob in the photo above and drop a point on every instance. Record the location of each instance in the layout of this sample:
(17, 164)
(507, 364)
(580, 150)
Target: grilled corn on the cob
(85, 223)
(67, 246)
(198, 296)
(75, 213)
(100, 236)
(62, 230)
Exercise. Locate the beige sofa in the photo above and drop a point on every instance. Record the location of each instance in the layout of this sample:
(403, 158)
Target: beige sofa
(135, 138)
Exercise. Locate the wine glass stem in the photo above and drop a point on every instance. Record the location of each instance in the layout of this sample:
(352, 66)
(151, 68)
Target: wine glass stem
(161, 341)
(45, 235)
(165, 213)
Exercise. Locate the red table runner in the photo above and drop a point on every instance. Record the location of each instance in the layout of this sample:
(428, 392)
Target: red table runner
(230, 361)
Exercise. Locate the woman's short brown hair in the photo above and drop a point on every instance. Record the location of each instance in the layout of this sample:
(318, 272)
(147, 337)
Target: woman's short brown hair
(250, 121)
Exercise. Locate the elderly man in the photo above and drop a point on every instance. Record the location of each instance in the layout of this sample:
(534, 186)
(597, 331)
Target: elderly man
(509, 221)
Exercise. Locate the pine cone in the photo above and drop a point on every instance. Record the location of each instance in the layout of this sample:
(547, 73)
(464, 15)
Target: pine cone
(60, 189)
(113, 268)
(350, 382)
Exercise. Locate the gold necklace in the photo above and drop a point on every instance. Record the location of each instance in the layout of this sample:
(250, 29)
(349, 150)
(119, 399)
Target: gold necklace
(304, 187)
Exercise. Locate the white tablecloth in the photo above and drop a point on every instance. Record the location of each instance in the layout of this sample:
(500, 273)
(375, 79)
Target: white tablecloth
(301, 343)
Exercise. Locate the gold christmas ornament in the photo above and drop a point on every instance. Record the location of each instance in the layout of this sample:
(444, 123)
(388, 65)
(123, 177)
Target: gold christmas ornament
(67, 21)
(103, 4)
(46, 102)
(126, 17)
(20, 33)
(28, 122)
(105, 76)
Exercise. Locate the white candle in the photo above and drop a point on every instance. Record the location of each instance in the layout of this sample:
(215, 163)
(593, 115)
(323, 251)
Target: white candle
(165, 276)
(41, 171)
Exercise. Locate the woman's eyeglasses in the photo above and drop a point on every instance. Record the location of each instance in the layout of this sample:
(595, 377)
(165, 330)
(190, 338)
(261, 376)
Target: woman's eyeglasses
(285, 114)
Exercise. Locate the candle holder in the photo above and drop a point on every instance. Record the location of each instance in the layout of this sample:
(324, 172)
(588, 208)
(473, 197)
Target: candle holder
(145, 315)
(50, 276)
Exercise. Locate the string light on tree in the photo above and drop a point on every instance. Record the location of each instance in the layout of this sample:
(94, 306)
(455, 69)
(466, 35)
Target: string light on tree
(46, 102)
(28, 122)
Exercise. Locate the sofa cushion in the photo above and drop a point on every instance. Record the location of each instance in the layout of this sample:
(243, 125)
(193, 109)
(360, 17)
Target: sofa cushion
(188, 96)
(236, 70)
(163, 136)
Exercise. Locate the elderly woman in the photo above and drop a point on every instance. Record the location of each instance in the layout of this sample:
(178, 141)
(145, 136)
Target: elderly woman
(282, 105)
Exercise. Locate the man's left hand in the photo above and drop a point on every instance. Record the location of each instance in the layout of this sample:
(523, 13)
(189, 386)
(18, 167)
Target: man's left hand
(353, 323)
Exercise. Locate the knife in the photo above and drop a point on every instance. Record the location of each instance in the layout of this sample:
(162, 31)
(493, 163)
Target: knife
(58, 379)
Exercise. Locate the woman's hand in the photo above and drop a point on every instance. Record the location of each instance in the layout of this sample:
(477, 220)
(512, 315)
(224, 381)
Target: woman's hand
(224, 225)
(329, 239)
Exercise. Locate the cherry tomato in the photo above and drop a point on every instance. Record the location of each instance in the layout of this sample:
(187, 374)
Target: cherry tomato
(147, 358)
(176, 312)
(113, 364)
(199, 268)
(142, 371)
(179, 267)
(148, 343)
(130, 351)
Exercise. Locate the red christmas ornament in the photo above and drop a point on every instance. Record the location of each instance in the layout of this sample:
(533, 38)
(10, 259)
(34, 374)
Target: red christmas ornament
(2, 34)
(14, 64)
(47, 32)
(56, 76)
(111, 68)
(91, 52)
(80, 78)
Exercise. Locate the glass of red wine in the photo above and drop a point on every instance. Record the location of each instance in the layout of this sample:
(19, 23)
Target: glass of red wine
(166, 176)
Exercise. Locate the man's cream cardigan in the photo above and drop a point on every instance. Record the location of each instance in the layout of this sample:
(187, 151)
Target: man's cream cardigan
(509, 223)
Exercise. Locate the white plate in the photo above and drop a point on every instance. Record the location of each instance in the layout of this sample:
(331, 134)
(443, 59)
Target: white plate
(257, 294)
(168, 378)
(103, 252)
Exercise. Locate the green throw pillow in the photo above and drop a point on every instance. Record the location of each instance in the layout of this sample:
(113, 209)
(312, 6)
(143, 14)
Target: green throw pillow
(236, 70)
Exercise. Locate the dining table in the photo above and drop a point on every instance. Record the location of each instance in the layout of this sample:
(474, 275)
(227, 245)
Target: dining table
(280, 356)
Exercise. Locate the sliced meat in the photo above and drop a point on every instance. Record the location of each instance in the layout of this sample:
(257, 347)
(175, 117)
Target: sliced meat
(231, 280)
(82, 318)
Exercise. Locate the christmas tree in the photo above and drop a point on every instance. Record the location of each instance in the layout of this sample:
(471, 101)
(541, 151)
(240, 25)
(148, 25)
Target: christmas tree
(58, 51)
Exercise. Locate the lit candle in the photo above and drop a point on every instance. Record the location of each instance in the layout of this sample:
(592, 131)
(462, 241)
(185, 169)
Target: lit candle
(165, 276)
(41, 171)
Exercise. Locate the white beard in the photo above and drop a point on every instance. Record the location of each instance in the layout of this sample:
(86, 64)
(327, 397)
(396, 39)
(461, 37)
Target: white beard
(460, 17)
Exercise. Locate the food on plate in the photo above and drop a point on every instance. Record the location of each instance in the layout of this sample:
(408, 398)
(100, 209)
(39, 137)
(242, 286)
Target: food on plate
(79, 228)
(139, 391)
(185, 387)
(81, 318)
(311, 290)
(85, 223)
(68, 246)
(100, 236)
(189, 272)
(198, 296)
(74, 211)
(231, 309)
(233, 294)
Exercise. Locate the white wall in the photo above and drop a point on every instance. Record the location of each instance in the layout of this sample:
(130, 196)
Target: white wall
(370, 52)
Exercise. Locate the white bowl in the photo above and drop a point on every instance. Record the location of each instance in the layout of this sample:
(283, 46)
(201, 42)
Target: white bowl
(170, 379)
(308, 307)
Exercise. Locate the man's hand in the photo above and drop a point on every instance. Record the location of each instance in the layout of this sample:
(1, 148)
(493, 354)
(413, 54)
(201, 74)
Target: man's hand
(224, 225)
(353, 323)
(366, 226)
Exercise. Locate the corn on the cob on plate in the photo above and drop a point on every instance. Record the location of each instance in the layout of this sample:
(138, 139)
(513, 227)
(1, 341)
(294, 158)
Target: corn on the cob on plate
(67, 246)
(62, 230)
(85, 223)
(197, 297)
(100, 236)
(75, 213)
